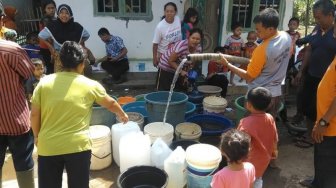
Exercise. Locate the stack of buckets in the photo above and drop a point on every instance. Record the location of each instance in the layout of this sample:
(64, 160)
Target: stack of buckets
(101, 147)
(155, 130)
(202, 161)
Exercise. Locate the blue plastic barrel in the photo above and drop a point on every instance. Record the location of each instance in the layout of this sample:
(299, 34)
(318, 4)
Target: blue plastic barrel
(156, 103)
(212, 125)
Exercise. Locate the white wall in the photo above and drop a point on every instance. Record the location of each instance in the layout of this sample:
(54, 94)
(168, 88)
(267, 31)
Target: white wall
(137, 34)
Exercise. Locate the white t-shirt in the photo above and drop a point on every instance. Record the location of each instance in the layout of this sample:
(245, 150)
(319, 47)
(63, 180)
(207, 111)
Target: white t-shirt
(166, 34)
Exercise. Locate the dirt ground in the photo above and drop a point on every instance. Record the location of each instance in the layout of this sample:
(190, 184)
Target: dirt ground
(293, 163)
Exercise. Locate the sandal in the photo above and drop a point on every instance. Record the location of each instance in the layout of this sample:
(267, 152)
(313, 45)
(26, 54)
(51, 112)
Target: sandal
(302, 142)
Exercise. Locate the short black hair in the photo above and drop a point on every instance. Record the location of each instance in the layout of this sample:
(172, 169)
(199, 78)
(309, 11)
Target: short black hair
(326, 6)
(235, 145)
(103, 31)
(191, 12)
(295, 19)
(196, 30)
(260, 98)
(46, 3)
(269, 17)
(32, 34)
(170, 4)
(235, 25)
(71, 54)
(219, 49)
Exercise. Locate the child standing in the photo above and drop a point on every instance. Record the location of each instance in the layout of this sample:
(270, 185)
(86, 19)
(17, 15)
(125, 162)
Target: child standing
(189, 21)
(32, 45)
(235, 45)
(249, 47)
(293, 25)
(235, 147)
(217, 73)
(32, 82)
(262, 129)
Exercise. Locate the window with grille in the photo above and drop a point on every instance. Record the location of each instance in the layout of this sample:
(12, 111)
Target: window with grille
(123, 8)
(243, 11)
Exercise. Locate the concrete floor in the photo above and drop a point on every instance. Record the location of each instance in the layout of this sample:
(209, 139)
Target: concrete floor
(294, 163)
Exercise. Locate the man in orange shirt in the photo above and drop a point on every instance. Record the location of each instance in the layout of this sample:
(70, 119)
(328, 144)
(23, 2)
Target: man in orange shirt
(324, 131)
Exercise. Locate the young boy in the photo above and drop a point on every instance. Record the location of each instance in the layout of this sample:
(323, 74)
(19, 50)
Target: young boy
(249, 47)
(217, 73)
(32, 45)
(293, 25)
(235, 45)
(262, 129)
(32, 82)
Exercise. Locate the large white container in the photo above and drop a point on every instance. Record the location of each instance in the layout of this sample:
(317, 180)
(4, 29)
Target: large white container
(175, 166)
(118, 131)
(101, 147)
(155, 130)
(134, 150)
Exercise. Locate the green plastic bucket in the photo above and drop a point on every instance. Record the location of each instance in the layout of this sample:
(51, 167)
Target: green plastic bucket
(241, 111)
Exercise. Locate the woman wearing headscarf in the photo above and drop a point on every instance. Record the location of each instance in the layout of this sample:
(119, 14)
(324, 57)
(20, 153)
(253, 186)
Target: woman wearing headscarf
(64, 28)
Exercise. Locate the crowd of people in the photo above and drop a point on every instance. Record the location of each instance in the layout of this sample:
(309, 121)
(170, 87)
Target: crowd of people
(61, 97)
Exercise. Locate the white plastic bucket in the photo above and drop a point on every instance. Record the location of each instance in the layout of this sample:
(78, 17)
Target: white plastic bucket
(203, 159)
(100, 136)
(135, 117)
(118, 131)
(159, 130)
(188, 131)
(214, 105)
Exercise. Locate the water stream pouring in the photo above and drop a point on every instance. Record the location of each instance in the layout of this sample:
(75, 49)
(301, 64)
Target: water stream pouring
(199, 57)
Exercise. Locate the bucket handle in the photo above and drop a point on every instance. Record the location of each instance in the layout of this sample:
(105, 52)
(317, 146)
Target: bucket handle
(101, 157)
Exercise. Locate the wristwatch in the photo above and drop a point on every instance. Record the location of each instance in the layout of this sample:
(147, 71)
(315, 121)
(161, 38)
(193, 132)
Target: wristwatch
(323, 123)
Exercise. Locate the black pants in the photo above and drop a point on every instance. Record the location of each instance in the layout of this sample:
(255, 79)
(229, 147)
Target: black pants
(165, 80)
(310, 85)
(325, 163)
(77, 165)
(116, 69)
(220, 81)
(45, 53)
(21, 148)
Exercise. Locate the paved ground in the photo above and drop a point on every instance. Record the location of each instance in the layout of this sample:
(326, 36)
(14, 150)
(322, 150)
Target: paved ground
(294, 163)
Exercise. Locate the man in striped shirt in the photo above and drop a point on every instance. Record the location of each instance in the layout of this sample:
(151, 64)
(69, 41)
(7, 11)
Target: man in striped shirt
(15, 130)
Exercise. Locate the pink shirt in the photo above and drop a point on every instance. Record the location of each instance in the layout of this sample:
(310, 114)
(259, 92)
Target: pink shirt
(263, 132)
(227, 178)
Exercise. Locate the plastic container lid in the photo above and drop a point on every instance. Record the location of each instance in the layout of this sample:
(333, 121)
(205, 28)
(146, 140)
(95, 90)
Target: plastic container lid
(203, 156)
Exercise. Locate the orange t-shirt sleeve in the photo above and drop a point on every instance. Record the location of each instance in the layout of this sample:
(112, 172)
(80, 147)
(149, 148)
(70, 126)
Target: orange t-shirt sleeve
(257, 62)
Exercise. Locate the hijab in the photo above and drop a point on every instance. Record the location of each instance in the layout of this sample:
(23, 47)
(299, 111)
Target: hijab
(71, 31)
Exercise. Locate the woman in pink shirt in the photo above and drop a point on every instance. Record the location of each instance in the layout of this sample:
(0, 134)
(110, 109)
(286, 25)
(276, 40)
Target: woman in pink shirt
(238, 174)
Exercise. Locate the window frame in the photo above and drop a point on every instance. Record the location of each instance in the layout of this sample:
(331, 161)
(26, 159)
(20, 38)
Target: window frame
(122, 12)
(255, 11)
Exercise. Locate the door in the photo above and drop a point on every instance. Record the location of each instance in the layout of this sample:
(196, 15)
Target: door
(208, 22)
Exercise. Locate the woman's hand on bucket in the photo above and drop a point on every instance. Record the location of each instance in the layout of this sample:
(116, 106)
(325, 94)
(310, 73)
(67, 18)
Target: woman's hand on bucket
(123, 117)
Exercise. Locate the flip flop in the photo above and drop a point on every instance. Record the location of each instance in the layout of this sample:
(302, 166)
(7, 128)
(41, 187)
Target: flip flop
(302, 143)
